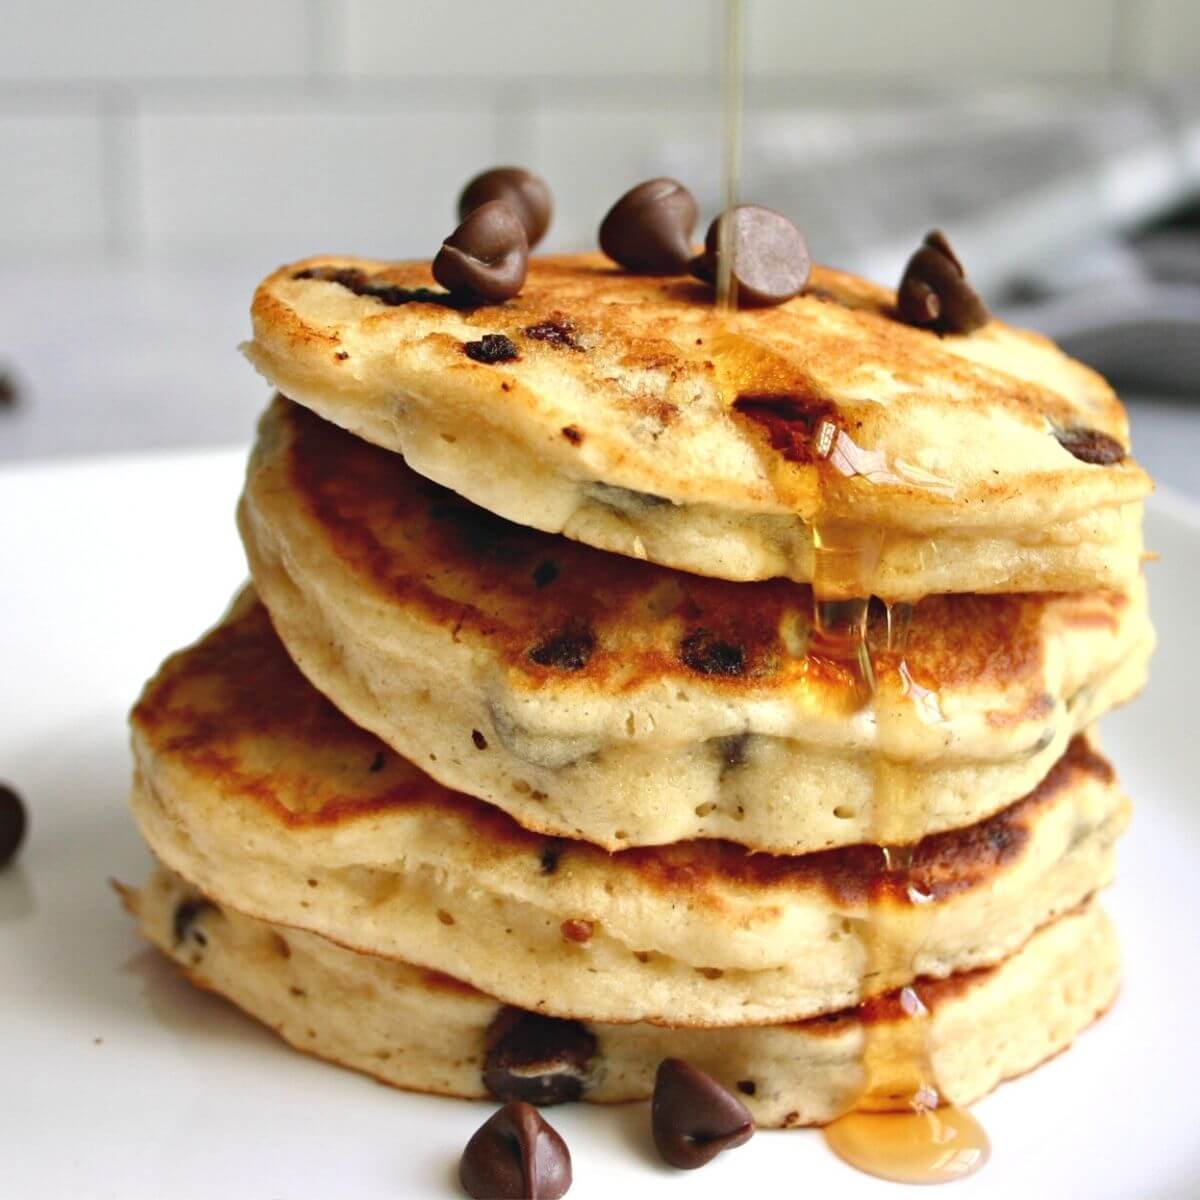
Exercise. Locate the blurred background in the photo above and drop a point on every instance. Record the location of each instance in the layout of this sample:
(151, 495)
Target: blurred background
(159, 157)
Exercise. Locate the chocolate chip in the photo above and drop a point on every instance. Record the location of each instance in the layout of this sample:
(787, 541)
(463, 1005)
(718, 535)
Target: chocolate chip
(543, 1060)
(572, 435)
(486, 257)
(516, 1155)
(693, 1117)
(934, 292)
(479, 740)
(491, 348)
(378, 763)
(734, 750)
(13, 824)
(770, 261)
(1090, 445)
(549, 859)
(577, 930)
(708, 655)
(568, 650)
(362, 284)
(747, 1087)
(557, 331)
(526, 193)
(187, 913)
(650, 228)
(545, 573)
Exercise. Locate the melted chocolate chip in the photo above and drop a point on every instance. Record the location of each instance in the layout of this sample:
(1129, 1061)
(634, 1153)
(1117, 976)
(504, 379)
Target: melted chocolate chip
(542, 1060)
(693, 1117)
(516, 1155)
(486, 257)
(568, 650)
(361, 284)
(576, 929)
(791, 422)
(649, 229)
(702, 652)
(549, 859)
(1090, 445)
(934, 292)
(770, 260)
(187, 913)
(734, 750)
(491, 348)
(13, 823)
(556, 331)
(526, 193)
(545, 573)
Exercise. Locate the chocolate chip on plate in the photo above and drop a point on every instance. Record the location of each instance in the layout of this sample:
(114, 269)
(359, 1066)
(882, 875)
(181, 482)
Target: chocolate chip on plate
(486, 257)
(649, 229)
(491, 348)
(13, 823)
(516, 1153)
(528, 195)
(693, 1117)
(934, 292)
(187, 912)
(1090, 445)
(544, 1060)
(8, 391)
(770, 260)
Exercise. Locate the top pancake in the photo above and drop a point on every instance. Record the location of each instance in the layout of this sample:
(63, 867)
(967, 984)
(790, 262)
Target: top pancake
(619, 423)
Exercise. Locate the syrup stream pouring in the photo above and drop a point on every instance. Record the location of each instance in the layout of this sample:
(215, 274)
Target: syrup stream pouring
(899, 1128)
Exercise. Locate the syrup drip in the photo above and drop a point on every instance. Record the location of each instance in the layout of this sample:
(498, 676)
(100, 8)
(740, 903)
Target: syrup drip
(731, 151)
(899, 1129)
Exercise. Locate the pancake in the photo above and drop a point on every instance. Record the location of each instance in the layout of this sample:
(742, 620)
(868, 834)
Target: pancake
(640, 419)
(415, 1029)
(626, 704)
(255, 788)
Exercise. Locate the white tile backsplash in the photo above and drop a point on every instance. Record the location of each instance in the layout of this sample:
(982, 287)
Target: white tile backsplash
(591, 154)
(53, 198)
(533, 39)
(1163, 39)
(307, 176)
(162, 126)
(926, 42)
(128, 40)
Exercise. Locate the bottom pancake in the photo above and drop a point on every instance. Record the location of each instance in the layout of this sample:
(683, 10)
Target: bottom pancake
(424, 1031)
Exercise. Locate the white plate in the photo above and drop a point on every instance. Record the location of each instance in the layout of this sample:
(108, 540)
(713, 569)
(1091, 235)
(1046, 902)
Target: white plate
(118, 1080)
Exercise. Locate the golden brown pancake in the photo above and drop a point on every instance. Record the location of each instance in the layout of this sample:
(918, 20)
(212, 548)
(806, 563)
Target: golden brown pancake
(416, 1029)
(256, 789)
(637, 417)
(592, 696)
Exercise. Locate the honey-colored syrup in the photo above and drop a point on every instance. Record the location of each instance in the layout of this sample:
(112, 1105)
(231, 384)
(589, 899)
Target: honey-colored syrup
(899, 1129)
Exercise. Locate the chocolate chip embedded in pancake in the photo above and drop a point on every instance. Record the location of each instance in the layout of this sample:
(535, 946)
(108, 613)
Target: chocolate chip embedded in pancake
(601, 684)
(968, 481)
(413, 1029)
(251, 784)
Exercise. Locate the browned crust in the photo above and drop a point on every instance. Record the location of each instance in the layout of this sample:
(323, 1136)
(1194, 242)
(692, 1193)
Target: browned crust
(470, 572)
(237, 714)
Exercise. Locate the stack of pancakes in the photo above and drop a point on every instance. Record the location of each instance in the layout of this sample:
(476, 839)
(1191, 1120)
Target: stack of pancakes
(529, 758)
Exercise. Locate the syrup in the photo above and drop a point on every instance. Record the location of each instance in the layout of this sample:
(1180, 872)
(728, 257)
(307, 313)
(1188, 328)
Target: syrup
(731, 150)
(899, 1129)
